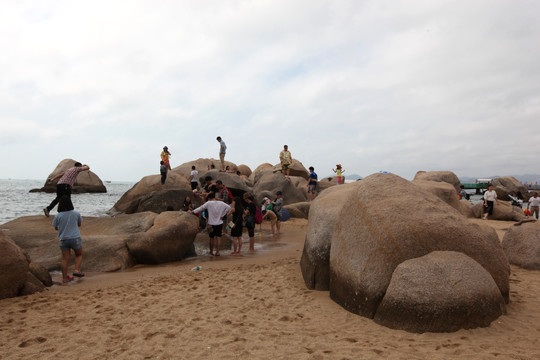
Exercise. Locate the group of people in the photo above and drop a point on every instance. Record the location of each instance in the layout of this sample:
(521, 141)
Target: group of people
(67, 221)
(219, 206)
(490, 199)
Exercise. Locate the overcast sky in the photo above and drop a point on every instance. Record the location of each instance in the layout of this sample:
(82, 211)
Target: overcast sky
(398, 86)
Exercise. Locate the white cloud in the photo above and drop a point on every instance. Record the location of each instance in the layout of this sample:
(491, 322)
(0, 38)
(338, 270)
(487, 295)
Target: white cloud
(374, 85)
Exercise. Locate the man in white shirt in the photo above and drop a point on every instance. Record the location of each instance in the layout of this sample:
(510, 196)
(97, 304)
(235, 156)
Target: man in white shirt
(216, 210)
(490, 197)
(534, 205)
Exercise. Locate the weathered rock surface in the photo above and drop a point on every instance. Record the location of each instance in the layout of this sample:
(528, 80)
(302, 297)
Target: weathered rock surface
(507, 185)
(87, 181)
(41, 273)
(443, 190)
(201, 165)
(233, 182)
(299, 210)
(166, 200)
(293, 190)
(167, 240)
(439, 176)
(13, 268)
(502, 210)
(105, 239)
(31, 285)
(442, 291)
(244, 170)
(359, 233)
(130, 201)
(521, 243)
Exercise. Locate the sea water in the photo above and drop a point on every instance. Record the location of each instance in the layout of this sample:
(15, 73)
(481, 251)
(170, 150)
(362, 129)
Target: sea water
(16, 200)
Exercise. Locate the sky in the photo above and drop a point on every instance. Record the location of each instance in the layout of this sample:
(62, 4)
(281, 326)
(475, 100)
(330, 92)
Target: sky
(397, 86)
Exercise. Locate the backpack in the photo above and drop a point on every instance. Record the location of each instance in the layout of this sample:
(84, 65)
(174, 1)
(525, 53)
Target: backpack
(258, 215)
(229, 199)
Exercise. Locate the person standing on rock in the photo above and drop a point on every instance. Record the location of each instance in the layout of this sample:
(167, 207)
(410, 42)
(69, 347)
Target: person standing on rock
(490, 197)
(285, 158)
(222, 150)
(67, 223)
(64, 185)
(312, 183)
(194, 178)
(163, 171)
(165, 155)
(216, 210)
(534, 205)
(339, 171)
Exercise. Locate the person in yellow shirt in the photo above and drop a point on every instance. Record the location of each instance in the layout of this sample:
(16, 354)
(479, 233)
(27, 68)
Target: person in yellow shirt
(285, 158)
(339, 170)
(165, 155)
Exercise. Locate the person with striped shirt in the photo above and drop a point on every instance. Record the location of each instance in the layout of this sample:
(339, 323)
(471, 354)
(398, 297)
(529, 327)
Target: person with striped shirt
(64, 185)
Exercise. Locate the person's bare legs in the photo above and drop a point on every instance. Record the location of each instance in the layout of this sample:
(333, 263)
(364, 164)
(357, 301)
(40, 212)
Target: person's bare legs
(66, 254)
(211, 245)
(218, 244)
(252, 244)
(78, 260)
(278, 226)
(239, 245)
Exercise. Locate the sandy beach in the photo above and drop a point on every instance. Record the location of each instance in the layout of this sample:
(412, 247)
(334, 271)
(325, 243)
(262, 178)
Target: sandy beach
(250, 307)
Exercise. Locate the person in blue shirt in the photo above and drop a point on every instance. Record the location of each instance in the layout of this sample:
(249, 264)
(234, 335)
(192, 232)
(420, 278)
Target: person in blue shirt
(312, 184)
(67, 223)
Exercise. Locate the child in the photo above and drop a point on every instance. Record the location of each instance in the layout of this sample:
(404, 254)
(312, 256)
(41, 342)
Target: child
(165, 155)
(338, 170)
(163, 170)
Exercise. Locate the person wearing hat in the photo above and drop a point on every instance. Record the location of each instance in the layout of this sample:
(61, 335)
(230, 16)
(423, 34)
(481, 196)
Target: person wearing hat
(276, 208)
(339, 170)
(165, 155)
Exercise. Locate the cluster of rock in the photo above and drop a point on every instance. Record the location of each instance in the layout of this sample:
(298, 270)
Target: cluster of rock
(403, 254)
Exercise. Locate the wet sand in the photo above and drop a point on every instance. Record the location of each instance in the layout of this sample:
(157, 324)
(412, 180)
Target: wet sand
(249, 307)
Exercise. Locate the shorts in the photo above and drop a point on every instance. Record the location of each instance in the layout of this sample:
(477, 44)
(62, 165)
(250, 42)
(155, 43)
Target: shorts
(194, 185)
(285, 166)
(488, 209)
(68, 244)
(216, 231)
(312, 189)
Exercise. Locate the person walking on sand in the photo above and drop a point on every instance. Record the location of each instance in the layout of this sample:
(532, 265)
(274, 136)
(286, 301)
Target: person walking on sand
(64, 185)
(165, 155)
(249, 216)
(490, 197)
(216, 211)
(312, 183)
(339, 171)
(194, 178)
(67, 223)
(237, 219)
(163, 171)
(222, 150)
(285, 159)
(534, 205)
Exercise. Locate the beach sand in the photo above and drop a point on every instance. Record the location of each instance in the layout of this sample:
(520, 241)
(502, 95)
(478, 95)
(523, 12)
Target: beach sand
(250, 307)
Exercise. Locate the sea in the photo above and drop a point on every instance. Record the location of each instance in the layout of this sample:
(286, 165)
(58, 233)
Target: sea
(16, 200)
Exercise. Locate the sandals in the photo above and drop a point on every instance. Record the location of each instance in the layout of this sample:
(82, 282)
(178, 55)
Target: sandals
(69, 278)
(78, 273)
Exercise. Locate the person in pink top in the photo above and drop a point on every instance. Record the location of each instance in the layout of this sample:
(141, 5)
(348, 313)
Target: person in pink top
(64, 185)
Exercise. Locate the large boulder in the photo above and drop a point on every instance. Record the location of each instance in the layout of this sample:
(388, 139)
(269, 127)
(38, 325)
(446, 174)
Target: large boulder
(201, 165)
(236, 184)
(244, 170)
(260, 171)
(521, 244)
(297, 169)
(166, 200)
(87, 181)
(502, 210)
(293, 189)
(504, 186)
(443, 190)
(13, 268)
(299, 210)
(168, 240)
(359, 233)
(129, 202)
(440, 176)
(442, 291)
